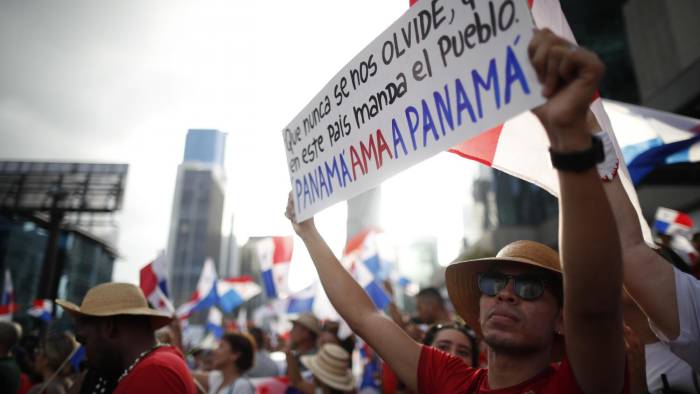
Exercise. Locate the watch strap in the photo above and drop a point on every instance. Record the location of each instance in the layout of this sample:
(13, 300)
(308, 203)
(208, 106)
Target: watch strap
(579, 161)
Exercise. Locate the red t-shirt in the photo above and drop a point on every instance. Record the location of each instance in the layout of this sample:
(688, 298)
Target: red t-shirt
(162, 371)
(439, 372)
(391, 383)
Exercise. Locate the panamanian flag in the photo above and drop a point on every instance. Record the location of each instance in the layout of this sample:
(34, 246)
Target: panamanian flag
(519, 146)
(7, 300)
(205, 296)
(651, 138)
(371, 369)
(274, 256)
(303, 300)
(153, 280)
(679, 226)
(215, 323)
(362, 255)
(41, 309)
(670, 222)
(235, 291)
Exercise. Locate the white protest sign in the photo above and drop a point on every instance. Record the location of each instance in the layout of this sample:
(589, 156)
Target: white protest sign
(443, 72)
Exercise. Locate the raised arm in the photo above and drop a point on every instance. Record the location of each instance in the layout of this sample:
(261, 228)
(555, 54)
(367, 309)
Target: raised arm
(589, 244)
(353, 304)
(648, 277)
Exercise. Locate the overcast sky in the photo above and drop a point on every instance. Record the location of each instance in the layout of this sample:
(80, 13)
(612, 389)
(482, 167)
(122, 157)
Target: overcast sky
(122, 81)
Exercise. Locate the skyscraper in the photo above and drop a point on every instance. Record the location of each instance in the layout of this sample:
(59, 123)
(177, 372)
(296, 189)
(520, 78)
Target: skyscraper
(198, 205)
(205, 146)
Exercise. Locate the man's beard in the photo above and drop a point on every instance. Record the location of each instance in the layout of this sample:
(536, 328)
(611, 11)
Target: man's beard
(110, 364)
(510, 347)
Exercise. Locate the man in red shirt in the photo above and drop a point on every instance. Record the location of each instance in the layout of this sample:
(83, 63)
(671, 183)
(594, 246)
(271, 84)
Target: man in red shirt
(116, 326)
(521, 302)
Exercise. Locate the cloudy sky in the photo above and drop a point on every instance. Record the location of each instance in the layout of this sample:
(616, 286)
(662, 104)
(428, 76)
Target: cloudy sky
(122, 81)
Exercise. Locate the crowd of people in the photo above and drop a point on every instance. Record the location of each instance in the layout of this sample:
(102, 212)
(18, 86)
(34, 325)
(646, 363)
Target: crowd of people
(131, 347)
(604, 314)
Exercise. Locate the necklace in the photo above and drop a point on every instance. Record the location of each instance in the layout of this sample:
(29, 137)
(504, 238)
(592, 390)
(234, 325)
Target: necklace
(138, 359)
(101, 386)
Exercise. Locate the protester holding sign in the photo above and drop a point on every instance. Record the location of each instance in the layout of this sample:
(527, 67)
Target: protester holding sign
(518, 301)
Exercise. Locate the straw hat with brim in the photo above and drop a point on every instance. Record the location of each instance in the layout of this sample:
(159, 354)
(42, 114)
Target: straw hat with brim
(308, 321)
(331, 366)
(110, 299)
(461, 277)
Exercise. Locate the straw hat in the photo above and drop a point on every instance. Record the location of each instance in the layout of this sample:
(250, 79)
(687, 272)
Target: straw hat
(461, 277)
(308, 321)
(110, 299)
(331, 366)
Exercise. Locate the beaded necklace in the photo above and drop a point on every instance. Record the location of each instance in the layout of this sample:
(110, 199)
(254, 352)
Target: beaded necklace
(138, 359)
(101, 386)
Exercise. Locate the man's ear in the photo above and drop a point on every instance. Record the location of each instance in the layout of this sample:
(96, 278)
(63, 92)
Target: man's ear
(559, 323)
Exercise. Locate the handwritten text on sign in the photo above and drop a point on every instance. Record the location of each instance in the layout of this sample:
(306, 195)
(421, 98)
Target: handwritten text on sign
(442, 73)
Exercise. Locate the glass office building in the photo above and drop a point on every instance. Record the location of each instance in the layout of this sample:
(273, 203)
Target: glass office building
(84, 261)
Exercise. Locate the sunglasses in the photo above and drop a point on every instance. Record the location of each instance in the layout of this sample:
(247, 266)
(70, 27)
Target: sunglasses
(528, 287)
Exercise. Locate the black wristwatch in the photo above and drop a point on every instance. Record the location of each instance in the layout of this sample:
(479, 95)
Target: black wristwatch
(579, 161)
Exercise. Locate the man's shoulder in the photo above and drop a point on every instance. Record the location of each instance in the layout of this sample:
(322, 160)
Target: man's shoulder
(166, 352)
(164, 367)
(164, 357)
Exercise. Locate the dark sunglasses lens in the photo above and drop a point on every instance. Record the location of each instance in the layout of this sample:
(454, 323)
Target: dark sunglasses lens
(528, 288)
(491, 283)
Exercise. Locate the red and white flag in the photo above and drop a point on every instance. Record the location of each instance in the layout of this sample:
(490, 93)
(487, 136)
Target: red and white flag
(153, 282)
(274, 256)
(42, 309)
(519, 147)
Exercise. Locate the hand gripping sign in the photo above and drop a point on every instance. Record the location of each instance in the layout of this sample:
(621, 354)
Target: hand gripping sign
(442, 73)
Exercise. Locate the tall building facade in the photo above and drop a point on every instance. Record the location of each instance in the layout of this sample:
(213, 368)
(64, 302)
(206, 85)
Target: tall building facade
(664, 38)
(198, 207)
(505, 209)
(229, 265)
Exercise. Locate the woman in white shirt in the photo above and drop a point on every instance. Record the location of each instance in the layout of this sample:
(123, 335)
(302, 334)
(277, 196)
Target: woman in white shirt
(231, 360)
